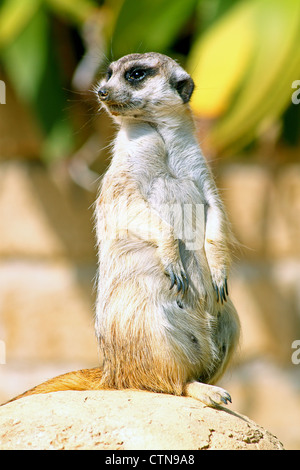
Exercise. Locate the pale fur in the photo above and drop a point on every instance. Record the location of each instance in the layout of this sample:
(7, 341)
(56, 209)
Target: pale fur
(151, 336)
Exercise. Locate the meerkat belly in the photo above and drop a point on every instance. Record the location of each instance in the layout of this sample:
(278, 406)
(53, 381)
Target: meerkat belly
(181, 203)
(149, 337)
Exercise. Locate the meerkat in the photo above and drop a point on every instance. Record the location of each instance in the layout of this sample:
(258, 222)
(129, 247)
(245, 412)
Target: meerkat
(164, 321)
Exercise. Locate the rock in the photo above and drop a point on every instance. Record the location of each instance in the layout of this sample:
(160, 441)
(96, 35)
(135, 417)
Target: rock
(259, 388)
(126, 420)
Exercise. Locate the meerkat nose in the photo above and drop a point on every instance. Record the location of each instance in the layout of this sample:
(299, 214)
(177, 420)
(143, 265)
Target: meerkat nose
(103, 94)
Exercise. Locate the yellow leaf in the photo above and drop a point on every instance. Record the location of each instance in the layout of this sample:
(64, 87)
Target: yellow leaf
(265, 93)
(220, 59)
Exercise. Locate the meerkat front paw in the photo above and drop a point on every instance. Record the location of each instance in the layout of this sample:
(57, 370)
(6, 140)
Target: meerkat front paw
(218, 262)
(210, 395)
(178, 277)
(172, 265)
(220, 286)
(215, 396)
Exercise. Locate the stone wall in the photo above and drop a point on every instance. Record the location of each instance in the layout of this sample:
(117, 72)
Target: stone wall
(264, 209)
(47, 271)
(48, 264)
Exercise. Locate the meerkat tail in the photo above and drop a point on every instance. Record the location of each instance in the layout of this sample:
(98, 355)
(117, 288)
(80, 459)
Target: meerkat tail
(84, 379)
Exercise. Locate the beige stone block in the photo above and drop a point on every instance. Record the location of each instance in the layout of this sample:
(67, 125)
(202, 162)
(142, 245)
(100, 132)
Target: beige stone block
(47, 312)
(283, 223)
(39, 217)
(267, 299)
(245, 189)
(264, 209)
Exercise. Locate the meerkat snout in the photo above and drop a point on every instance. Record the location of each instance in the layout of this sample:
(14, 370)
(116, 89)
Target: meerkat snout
(103, 94)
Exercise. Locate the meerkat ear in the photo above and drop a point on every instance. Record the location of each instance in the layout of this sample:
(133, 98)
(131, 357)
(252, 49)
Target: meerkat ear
(183, 84)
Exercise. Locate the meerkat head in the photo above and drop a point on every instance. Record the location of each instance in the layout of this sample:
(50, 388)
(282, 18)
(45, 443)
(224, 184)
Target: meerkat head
(145, 86)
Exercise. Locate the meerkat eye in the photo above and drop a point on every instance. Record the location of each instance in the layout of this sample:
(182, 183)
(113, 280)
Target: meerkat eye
(135, 75)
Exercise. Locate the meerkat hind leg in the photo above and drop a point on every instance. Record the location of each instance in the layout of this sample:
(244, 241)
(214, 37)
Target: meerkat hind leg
(210, 395)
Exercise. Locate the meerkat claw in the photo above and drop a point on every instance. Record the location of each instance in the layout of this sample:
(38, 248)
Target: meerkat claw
(221, 292)
(173, 278)
(185, 282)
(226, 398)
(217, 292)
(181, 280)
(223, 297)
(179, 283)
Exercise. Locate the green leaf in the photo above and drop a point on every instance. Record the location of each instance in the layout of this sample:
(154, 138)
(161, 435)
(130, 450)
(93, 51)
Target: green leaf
(14, 16)
(266, 93)
(220, 58)
(32, 67)
(150, 25)
(75, 10)
(58, 142)
(25, 58)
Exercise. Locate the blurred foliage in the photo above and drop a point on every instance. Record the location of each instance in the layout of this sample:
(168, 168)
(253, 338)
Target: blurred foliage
(243, 55)
(150, 25)
(246, 64)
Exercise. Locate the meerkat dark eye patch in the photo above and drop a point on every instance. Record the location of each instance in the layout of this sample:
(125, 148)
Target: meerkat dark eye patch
(183, 86)
(136, 75)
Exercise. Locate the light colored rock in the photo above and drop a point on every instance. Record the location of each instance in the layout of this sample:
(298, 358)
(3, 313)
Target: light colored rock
(126, 420)
(270, 395)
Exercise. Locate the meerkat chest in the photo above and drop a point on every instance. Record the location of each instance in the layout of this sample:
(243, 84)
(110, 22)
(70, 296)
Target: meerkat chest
(161, 162)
